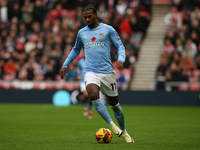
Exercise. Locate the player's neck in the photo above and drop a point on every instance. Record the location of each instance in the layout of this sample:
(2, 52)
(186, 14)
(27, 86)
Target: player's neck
(96, 25)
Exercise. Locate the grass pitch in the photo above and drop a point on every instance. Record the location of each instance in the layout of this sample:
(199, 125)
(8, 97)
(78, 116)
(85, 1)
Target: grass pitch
(46, 127)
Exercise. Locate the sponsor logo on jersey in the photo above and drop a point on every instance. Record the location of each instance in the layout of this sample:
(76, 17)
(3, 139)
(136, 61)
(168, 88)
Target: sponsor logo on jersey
(93, 44)
(101, 35)
(93, 38)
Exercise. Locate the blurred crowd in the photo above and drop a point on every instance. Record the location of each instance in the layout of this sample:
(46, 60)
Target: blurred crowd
(180, 60)
(37, 35)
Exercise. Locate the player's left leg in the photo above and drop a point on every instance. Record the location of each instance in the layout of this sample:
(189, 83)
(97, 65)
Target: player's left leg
(109, 88)
(119, 115)
(88, 105)
(89, 102)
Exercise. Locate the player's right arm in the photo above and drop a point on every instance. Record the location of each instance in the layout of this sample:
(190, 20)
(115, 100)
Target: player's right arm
(79, 71)
(72, 55)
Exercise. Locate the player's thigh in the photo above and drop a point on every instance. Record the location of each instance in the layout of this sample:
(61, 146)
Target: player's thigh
(92, 85)
(93, 91)
(108, 85)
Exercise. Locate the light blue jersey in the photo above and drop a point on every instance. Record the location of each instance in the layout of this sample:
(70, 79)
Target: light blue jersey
(81, 66)
(97, 43)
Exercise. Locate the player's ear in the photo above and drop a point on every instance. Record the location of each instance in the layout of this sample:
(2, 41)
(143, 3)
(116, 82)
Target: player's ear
(95, 15)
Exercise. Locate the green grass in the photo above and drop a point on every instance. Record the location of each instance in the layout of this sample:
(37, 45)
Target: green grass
(46, 127)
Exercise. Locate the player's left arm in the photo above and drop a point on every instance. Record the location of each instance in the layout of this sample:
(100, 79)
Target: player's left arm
(115, 38)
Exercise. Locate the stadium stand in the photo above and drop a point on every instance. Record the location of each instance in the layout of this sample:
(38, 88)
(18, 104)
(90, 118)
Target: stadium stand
(37, 35)
(179, 68)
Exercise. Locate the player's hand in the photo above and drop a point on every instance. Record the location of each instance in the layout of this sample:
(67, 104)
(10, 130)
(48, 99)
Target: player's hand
(79, 76)
(63, 72)
(120, 65)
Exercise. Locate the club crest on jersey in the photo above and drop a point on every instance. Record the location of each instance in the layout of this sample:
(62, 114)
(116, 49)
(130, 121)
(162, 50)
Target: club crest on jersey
(101, 35)
(93, 38)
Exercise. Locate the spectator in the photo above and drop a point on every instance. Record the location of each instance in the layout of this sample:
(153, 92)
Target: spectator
(178, 45)
(173, 18)
(50, 74)
(134, 5)
(102, 12)
(32, 64)
(56, 13)
(171, 35)
(190, 49)
(121, 80)
(43, 65)
(30, 72)
(195, 13)
(161, 69)
(30, 45)
(167, 48)
(39, 10)
(130, 45)
(130, 60)
(3, 11)
(168, 76)
(9, 44)
(4, 35)
(175, 57)
(121, 7)
(14, 11)
(9, 67)
(174, 71)
(19, 45)
(185, 62)
(198, 50)
(183, 76)
(197, 63)
(195, 38)
(125, 26)
(182, 37)
(160, 81)
(2, 63)
(194, 25)
(27, 11)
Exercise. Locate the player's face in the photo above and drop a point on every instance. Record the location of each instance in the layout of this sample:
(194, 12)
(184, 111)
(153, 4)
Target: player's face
(90, 18)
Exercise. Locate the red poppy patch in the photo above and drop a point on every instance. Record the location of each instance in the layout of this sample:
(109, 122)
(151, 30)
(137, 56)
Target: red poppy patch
(93, 39)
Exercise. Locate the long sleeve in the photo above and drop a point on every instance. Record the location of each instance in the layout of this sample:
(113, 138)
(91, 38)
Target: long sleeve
(74, 52)
(115, 38)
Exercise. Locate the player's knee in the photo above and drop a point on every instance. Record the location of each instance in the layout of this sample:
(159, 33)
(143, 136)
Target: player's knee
(94, 96)
(116, 109)
(113, 103)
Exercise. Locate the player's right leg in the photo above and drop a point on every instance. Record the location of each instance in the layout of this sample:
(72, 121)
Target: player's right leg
(93, 91)
(93, 87)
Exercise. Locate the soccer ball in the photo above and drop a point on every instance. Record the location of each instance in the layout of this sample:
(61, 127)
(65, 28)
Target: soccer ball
(103, 135)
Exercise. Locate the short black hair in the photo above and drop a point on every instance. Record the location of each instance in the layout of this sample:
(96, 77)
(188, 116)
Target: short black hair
(90, 7)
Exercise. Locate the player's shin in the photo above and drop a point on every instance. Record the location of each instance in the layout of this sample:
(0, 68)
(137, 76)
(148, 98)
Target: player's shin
(119, 115)
(101, 109)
